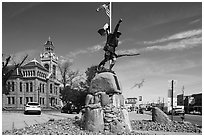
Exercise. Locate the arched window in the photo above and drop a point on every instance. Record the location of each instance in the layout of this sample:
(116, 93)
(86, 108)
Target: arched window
(46, 66)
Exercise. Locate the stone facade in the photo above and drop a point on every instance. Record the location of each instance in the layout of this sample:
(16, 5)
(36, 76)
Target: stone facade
(34, 82)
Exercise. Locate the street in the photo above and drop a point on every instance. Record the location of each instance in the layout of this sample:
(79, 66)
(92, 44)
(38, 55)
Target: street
(194, 119)
(17, 120)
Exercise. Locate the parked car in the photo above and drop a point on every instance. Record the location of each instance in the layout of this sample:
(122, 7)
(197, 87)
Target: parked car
(195, 112)
(177, 111)
(32, 107)
(70, 108)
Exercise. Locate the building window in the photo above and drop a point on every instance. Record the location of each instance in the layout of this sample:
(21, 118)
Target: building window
(31, 99)
(27, 87)
(27, 100)
(54, 71)
(21, 100)
(9, 86)
(56, 90)
(31, 87)
(21, 87)
(13, 100)
(40, 87)
(33, 72)
(40, 100)
(9, 100)
(43, 101)
(50, 88)
(46, 66)
(13, 86)
(43, 88)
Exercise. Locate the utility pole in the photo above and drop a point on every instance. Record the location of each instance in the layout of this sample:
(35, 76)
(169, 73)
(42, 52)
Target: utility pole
(110, 6)
(183, 99)
(172, 87)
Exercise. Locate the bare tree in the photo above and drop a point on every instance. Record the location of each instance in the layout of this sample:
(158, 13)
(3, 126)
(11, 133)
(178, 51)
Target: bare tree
(7, 73)
(69, 77)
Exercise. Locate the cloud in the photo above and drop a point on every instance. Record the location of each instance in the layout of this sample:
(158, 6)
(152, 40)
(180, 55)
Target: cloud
(128, 51)
(75, 53)
(194, 21)
(63, 59)
(95, 48)
(91, 49)
(179, 45)
(149, 67)
(177, 36)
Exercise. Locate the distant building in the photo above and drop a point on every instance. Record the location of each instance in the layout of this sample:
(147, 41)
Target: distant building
(131, 101)
(169, 101)
(35, 81)
(180, 100)
(193, 103)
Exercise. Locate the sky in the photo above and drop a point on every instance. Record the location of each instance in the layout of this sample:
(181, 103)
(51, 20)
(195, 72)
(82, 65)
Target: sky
(168, 36)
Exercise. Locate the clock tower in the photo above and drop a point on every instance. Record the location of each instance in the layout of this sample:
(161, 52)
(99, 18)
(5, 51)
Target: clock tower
(49, 59)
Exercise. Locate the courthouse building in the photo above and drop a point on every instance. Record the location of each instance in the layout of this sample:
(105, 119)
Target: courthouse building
(35, 81)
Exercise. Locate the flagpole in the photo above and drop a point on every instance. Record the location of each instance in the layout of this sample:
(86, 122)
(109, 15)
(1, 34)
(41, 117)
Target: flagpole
(110, 19)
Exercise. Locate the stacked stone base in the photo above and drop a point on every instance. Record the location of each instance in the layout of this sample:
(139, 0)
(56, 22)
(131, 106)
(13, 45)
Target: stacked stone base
(114, 120)
(104, 106)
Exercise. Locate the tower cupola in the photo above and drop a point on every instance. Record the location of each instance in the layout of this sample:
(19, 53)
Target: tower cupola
(49, 46)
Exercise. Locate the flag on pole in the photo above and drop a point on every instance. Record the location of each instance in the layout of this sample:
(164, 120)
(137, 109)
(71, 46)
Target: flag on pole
(106, 7)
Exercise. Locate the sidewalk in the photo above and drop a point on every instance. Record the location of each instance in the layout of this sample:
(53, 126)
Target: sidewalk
(134, 116)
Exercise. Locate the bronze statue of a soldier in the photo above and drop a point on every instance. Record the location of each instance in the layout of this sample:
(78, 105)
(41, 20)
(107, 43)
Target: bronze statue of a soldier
(111, 44)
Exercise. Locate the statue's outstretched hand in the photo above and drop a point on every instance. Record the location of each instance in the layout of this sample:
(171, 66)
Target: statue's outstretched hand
(120, 20)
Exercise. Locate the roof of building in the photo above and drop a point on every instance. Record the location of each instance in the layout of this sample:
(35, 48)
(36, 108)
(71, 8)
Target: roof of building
(34, 63)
